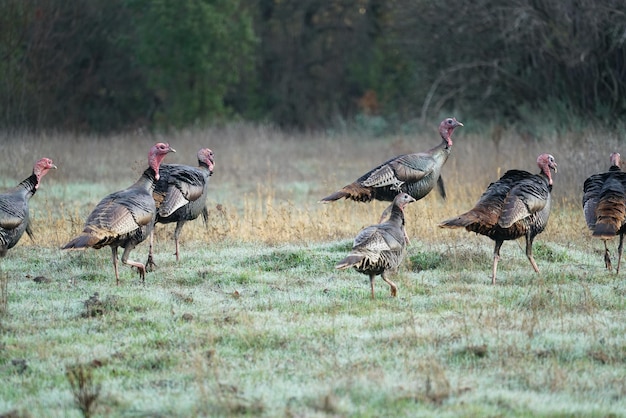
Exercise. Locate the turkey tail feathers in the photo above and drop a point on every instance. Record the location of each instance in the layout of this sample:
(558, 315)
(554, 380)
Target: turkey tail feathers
(460, 221)
(81, 241)
(610, 216)
(605, 230)
(353, 191)
(349, 261)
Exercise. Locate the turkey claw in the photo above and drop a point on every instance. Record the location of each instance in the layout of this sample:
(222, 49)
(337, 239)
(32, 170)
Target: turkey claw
(150, 264)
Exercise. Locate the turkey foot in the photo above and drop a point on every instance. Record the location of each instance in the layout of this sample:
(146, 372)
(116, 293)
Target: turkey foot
(150, 264)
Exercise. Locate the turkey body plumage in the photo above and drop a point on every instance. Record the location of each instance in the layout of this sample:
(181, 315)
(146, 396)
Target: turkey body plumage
(14, 213)
(517, 205)
(124, 218)
(180, 195)
(415, 174)
(604, 207)
(379, 249)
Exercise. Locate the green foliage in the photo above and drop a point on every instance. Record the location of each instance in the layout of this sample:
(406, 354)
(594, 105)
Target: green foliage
(549, 253)
(101, 65)
(185, 49)
(287, 260)
(426, 260)
(104, 65)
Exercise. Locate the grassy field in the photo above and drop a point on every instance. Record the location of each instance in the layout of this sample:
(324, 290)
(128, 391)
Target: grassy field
(255, 321)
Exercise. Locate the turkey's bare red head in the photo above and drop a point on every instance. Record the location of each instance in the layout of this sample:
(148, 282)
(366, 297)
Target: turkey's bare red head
(41, 168)
(205, 156)
(616, 160)
(156, 155)
(546, 162)
(446, 127)
(403, 199)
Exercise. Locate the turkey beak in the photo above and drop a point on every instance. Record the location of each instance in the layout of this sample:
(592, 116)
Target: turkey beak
(171, 150)
(459, 123)
(554, 167)
(53, 166)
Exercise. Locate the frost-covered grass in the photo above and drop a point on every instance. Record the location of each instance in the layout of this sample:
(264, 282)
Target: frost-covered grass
(255, 321)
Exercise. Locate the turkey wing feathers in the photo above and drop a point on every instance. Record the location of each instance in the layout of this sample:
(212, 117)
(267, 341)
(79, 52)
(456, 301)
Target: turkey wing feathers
(528, 197)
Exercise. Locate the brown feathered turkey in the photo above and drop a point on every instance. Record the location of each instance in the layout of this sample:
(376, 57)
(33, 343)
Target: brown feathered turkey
(515, 206)
(180, 195)
(14, 214)
(604, 206)
(124, 218)
(379, 249)
(415, 174)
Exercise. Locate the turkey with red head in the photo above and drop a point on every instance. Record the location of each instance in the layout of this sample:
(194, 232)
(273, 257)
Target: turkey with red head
(415, 174)
(180, 195)
(515, 206)
(124, 218)
(14, 214)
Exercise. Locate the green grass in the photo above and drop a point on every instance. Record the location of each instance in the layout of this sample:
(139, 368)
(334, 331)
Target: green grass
(270, 331)
(255, 321)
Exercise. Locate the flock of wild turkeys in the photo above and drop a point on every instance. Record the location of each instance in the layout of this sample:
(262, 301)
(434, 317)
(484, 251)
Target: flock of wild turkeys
(164, 193)
(516, 205)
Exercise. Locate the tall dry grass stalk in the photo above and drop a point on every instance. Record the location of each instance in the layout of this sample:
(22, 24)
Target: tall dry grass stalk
(267, 183)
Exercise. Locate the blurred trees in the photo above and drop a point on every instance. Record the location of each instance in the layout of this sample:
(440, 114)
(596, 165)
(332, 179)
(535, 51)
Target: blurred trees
(110, 64)
(101, 65)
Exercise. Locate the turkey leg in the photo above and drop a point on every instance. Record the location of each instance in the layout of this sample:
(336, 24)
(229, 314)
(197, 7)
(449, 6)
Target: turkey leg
(140, 266)
(150, 264)
(392, 285)
(117, 275)
(529, 252)
(179, 228)
(607, 257)
(496, 258)
(619, 251)
(372, 276)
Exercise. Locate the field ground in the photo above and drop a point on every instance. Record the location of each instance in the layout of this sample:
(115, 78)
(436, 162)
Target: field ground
(255, 321)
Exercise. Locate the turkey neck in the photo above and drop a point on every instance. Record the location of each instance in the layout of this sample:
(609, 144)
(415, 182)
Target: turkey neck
(441, 152)
(29, 185)
(547, 179)
(397, 216)
(204, 166)
(147, 180)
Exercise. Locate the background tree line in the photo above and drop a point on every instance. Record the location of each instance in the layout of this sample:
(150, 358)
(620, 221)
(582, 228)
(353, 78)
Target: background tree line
(107, 65)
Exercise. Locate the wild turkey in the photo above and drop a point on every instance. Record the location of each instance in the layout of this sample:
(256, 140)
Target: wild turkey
(415, 174)
(379, 249)
(14, 217)
(124, 218)
(515, 206)
(180, 195)
(604, 206)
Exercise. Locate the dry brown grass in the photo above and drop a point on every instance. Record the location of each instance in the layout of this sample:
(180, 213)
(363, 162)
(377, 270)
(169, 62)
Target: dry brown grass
(267, 182)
